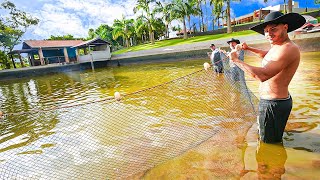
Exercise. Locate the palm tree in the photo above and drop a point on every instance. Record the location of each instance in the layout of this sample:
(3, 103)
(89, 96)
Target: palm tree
(167, 18)
(181, 10)
(141, 27)
(124, 28)
(229, 28)
(198, 2)
(289, 6)
(145, 6)
(217, 10)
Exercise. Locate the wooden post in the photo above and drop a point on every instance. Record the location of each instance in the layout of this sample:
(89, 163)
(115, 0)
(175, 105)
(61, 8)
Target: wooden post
(41, 56)
(66, 56)
(21, 61)
(77, 54)
(32, 59)
(29, 59)
(14, 65)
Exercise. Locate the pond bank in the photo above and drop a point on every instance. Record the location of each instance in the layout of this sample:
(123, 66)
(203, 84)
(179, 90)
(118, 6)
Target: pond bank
(307, 43)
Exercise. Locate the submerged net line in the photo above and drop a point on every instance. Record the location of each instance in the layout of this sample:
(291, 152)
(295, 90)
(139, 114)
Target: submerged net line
(108, 139)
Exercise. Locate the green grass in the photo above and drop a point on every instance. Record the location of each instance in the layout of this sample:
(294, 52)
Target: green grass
(308, 12)
(173, 42)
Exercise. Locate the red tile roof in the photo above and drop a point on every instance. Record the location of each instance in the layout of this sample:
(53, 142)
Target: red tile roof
(52, 43)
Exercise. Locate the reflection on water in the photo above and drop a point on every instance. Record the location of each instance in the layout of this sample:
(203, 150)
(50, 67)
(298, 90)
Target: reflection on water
(271, 159)
(43, 137)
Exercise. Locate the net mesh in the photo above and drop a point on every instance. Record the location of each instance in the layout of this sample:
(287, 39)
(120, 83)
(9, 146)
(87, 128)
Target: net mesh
(110, 139)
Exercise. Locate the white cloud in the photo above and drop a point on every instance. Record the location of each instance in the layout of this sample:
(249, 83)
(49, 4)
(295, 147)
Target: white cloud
(74, 16)
(262, 3)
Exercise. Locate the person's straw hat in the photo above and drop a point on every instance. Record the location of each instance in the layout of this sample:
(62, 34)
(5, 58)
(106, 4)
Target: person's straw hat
(234, 40)
(294, 21)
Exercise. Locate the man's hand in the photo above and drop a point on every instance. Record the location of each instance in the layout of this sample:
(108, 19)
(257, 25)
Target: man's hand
(245, 46)
(233, 55)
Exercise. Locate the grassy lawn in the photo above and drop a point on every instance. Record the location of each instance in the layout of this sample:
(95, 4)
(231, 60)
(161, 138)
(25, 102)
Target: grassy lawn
(173, 42)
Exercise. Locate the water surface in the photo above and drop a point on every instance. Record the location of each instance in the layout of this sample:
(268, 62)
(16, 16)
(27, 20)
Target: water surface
(43, 137)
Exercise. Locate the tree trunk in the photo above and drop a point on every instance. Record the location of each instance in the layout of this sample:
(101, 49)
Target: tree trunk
(201, 18)
(14, 64)
(21, 61)
(285, 7)
(229, 29)
(289, 6)
(200, 25)
(213, 24)
(127, 42)
(167, 32)
(185, 36)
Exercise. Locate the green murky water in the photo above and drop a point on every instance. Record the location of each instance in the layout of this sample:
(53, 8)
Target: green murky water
(31, 139)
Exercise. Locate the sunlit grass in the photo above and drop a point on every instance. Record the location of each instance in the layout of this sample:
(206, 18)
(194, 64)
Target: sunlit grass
(173, 42)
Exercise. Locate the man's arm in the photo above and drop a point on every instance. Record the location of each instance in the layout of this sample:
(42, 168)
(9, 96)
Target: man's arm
(272, 68)
(261, 53)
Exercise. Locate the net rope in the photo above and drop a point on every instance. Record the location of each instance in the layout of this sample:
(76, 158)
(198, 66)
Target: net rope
(111, 139)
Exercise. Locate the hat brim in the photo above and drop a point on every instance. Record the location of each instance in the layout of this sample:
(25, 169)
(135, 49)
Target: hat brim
(294, 21)
(237, 41)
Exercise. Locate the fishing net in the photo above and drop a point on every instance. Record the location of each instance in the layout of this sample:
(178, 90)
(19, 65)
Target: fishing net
(127, 138)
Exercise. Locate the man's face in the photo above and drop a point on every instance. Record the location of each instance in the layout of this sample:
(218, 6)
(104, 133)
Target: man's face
(232, 45)
(213, 47)
(275, 33)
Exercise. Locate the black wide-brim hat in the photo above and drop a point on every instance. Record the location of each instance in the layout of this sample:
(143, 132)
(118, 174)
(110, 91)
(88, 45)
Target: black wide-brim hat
(234, 40)
(294, 21)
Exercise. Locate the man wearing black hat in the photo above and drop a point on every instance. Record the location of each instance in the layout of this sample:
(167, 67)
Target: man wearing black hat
(236, 73)
(279, 64)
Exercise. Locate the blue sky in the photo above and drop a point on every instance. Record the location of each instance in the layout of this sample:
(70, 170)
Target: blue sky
(60, 17)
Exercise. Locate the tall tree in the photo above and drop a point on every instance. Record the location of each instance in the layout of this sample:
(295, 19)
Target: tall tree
(181, 10)
(165, 9)
(64, 37)
(13, 25)
(124, 28)
(141, 27)
(227, 10)
(199, 7)
(91, 34)
(144, 5)
(217, 10)
(289, 6)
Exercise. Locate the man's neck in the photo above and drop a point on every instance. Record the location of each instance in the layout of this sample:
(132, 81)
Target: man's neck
(285, 40)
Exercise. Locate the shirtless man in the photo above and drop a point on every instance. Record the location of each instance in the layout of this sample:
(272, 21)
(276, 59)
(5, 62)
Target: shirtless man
(279, 64)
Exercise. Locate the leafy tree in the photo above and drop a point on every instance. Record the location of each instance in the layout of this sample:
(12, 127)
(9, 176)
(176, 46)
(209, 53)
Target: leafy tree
(4, 60)
(124, 28)
(217, 4)
(145, 6)
(159, 28)
(64, 37)
(12, 27)
(166, 9)
(91, 34)
(140, 28)
(217, 10)
(201, 23)
(181, 10)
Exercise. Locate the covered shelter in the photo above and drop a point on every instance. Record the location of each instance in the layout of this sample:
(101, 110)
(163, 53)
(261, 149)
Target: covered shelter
(42, 52)
(93, 50)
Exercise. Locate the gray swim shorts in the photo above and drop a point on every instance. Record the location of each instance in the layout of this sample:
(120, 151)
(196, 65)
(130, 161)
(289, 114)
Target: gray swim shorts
(273, 117)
